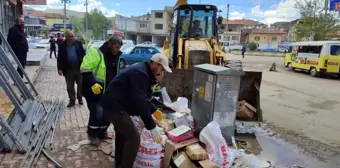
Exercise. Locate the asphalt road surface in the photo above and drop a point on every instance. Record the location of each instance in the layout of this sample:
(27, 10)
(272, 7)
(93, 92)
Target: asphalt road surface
(301, 109)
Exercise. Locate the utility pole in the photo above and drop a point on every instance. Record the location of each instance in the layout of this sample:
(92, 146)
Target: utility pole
(86, 21)
(65, 17)
(199, 1)
(227, 26)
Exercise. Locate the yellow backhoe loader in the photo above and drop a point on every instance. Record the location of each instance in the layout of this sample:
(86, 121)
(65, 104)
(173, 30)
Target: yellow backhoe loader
(194, 40)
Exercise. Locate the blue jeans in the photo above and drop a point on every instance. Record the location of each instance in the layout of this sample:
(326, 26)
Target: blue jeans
(98, 124)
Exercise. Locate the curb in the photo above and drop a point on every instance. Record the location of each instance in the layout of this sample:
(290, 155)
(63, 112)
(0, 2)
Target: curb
(42, 63)
(254, 55)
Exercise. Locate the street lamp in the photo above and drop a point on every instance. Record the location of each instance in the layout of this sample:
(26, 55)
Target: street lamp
(86, 20)
(65, 2)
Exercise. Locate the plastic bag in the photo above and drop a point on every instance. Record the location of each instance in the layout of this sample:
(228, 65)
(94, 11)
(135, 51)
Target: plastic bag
(181, 105)
(149, 149)
(138, 123)
(145, 163)
(216, 145)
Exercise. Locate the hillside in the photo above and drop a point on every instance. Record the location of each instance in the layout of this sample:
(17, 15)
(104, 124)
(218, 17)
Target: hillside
(70, 13)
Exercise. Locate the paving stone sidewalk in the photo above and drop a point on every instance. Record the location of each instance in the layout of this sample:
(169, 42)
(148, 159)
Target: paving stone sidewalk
(72, 128)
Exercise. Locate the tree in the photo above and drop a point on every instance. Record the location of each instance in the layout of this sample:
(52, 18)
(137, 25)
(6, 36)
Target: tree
(98, 23)
(315, 21)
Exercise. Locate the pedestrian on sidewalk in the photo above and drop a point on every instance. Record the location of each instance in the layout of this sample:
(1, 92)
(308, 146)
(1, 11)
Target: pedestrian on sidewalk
(244, 49)
(128, 95)
(18, 42)
(99, 66)
(69, 59)
(52, 47)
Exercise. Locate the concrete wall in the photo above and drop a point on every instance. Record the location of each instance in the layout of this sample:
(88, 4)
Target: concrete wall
(125, 23)
(143, 38)
(158, 40)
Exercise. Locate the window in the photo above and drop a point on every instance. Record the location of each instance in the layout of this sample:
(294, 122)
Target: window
(202, 23)
(234, 38)
(139, 50)
(143, 25)
(159, 26)
(151, 51)
(159, 15)
(335, 50)
(230, 30)
(257, 38)
(274, 38)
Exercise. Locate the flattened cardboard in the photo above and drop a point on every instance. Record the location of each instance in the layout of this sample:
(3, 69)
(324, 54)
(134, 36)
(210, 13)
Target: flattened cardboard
(207, 164)
(171, 147)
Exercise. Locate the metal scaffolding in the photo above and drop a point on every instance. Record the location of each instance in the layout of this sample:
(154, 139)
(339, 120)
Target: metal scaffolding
(32, 123)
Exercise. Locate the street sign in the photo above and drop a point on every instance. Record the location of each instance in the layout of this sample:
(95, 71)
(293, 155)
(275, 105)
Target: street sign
(334, 5)
(58, 27)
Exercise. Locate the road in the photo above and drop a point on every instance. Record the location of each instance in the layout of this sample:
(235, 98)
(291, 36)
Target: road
(301, 109)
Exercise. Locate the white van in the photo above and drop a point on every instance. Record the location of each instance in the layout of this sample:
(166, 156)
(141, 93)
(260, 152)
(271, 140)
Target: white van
(228, 46)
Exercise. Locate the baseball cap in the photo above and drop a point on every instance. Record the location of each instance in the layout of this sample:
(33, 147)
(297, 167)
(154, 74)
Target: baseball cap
(163, 60)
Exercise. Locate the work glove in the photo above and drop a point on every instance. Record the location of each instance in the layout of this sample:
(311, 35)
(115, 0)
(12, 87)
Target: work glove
(96, 88)
(158, 115)
(156, 135)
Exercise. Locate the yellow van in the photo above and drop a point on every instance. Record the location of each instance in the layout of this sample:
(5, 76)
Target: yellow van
(316, 57)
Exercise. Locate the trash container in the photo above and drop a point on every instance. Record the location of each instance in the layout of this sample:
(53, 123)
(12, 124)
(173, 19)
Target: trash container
(215, 97)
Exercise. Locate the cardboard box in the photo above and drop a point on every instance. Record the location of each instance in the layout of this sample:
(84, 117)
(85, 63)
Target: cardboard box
(245, 110)
(196, 152)
(183, 161)
(171, 147)
(207, 164)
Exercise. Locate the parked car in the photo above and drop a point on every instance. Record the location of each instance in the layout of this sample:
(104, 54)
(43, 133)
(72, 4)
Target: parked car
(147, 43)
(228, 46)
(96, 44)
(134, 54)
(44, 43)
(128, 42)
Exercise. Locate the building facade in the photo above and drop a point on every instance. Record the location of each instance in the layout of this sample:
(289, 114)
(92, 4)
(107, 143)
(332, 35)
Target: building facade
(266, 38)
(151, 27)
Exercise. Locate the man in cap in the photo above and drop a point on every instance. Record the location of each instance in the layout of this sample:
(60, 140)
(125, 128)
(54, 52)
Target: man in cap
(128, 95)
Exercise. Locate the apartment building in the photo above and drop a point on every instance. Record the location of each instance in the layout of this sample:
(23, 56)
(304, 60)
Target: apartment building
(266, 38)
(231, 30)
(33, 24)
(160, 24)
(152, 27)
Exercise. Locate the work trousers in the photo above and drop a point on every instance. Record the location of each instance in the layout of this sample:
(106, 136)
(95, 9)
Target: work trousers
(73, 76)
(243, 54)
(22, 57)
(127, 138)
(53, 50)
(98, 124)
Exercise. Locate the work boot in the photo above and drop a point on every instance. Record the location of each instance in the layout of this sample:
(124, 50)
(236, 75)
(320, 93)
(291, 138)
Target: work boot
(80, 101)
(71, 104)
(94, 141)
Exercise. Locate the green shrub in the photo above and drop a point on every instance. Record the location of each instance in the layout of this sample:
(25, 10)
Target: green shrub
(252, 46)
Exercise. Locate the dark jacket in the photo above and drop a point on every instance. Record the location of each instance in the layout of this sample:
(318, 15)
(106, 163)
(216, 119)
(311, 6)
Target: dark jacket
(17, 40)
(62, 55)
(111, 63)
(130, 91)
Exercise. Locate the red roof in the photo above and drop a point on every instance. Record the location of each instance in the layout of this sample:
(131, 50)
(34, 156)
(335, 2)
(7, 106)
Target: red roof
(244, 22)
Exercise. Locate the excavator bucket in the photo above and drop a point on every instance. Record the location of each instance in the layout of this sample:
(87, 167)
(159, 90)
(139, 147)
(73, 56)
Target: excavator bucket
(179, 83)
